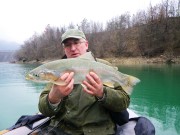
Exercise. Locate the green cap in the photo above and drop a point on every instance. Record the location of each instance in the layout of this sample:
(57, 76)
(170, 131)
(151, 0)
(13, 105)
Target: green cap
(72, 33)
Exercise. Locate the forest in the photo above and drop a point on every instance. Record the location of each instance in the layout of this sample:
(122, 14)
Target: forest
(148, 33)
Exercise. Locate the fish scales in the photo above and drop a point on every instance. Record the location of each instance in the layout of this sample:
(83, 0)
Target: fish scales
(50, 72)
(82, 67)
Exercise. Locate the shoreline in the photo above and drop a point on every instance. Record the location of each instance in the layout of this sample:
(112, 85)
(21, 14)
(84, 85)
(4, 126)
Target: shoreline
(120, 60)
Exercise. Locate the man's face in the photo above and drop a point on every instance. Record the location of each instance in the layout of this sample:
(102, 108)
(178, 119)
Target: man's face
(75, 47)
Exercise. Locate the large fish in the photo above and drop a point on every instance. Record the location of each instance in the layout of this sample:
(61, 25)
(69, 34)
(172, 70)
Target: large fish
(81, 66)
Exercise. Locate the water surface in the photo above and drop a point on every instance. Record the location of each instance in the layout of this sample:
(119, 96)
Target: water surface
(155, 97)
(18, 96)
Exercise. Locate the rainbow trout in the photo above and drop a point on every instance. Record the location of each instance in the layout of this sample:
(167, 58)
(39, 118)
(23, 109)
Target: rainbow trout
(81, 66)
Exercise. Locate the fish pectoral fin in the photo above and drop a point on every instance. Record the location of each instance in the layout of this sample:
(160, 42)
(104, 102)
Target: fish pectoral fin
(109, 84)
(58, 82)
(87, 56)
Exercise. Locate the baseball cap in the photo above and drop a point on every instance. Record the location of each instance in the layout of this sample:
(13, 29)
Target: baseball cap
(73, 33)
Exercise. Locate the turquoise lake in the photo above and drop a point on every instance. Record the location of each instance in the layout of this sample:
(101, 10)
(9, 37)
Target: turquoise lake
(155, 97)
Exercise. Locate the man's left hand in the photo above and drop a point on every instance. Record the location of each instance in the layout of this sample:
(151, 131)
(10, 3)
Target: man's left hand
(94, 85)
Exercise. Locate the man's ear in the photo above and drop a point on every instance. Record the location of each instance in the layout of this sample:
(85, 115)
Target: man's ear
(87, 44)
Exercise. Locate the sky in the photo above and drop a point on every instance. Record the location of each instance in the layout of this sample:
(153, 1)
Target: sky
(20, 19)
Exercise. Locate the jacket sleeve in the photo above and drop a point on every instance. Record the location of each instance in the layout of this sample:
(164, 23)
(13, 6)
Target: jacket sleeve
(44, 106)
(116, 99)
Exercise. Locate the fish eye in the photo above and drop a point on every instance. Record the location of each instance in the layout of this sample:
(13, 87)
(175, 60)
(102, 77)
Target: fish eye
(36, 75)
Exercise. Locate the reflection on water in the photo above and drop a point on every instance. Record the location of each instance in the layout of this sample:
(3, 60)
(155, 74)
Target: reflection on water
(155, 97)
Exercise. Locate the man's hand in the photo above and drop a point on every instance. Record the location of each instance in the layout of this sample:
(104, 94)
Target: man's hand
(94, 85)
(59, 91)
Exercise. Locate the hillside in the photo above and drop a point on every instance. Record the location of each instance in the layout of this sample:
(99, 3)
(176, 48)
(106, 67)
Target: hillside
(154, 33)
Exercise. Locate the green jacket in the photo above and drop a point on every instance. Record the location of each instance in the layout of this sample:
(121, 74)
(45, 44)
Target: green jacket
(81, 113)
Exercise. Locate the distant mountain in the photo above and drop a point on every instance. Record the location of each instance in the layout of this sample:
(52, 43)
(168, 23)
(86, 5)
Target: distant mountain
(7, 56)
(10, 46)
(7, 50)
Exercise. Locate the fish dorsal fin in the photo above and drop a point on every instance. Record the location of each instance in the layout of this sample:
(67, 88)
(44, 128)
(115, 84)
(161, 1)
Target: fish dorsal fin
(87, 56)
(107, 63)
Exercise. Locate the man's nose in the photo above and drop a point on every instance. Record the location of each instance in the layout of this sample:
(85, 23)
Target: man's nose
(73, 46)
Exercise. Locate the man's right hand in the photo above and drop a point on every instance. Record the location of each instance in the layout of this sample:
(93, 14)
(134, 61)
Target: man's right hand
(59, 91)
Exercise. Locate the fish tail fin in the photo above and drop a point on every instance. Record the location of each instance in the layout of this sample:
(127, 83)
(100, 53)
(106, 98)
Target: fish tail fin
(128, 89)
(132, 81)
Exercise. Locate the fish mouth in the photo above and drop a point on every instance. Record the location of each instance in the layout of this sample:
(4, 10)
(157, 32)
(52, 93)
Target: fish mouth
(34, 79)
(29, 77)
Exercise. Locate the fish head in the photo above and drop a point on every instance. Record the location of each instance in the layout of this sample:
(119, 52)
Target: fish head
(43, 76)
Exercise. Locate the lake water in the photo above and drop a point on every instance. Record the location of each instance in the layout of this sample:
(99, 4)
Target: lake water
(155, 97)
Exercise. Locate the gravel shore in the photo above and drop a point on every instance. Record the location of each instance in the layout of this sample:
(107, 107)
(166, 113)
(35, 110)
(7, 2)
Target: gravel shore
(140, 60)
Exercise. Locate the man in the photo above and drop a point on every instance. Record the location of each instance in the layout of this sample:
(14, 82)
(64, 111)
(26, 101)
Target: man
(78, 110)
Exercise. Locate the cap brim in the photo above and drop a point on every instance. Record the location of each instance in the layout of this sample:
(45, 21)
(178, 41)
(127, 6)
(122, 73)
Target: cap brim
(77, 37)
